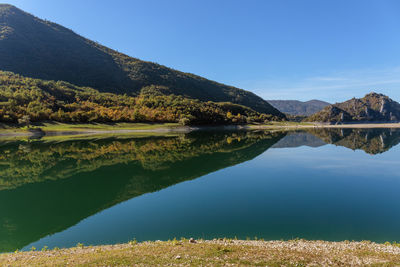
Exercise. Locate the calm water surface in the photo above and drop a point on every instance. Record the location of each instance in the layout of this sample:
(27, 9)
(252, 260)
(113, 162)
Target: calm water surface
(326, 184)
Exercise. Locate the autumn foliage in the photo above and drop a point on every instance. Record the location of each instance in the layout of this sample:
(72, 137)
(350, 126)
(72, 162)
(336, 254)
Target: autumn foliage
(61, 101)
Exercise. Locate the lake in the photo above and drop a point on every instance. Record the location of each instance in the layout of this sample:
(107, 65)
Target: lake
(338, 184)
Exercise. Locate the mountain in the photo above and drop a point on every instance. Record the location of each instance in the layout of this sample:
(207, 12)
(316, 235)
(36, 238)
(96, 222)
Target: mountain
(41, 49)
(373, 107)
(298, 108)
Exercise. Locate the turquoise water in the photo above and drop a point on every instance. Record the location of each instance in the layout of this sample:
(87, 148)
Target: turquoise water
(330, 185)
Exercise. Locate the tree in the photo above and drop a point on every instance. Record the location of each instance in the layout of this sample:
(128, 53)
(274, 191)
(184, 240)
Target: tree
(25, 120)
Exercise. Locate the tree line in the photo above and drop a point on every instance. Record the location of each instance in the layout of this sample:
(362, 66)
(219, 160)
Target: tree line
(25, 99)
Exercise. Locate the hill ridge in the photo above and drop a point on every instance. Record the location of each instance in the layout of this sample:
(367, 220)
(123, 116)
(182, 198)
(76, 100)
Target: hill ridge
(45, 50)
(374, 107)
(297, 107)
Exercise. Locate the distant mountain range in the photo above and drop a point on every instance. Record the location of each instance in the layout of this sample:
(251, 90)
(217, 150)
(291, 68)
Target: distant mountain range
(371, 108)
(299, 108)
(37, 48)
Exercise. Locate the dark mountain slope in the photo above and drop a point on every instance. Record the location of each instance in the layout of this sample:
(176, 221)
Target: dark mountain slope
(373, 107)
(42, 49)
(298, 108)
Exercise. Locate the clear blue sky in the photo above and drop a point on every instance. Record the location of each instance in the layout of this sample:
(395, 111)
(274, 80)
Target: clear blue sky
(279, 49)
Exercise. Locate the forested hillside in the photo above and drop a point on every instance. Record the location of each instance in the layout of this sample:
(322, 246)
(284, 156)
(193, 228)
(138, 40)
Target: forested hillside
(61, 101)
(41, 49)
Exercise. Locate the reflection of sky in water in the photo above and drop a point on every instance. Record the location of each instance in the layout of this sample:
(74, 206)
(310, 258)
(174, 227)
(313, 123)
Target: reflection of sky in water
(340, 160)
(329, 192)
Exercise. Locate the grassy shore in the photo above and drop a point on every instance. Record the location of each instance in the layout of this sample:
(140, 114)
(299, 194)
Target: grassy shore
(56, 128)
(63, 127)
(221, 252)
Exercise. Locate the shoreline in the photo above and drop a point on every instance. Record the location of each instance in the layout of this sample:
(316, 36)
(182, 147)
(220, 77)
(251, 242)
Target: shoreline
(140, 128)
(218, 252)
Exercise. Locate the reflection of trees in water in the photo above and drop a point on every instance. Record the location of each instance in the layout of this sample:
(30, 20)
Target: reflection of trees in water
(23, 162)
(53, 186)
(101, 173)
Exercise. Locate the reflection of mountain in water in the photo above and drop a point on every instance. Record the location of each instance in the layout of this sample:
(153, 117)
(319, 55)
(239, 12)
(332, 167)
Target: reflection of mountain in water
(372, 141)
(297, 139)
(48, 187)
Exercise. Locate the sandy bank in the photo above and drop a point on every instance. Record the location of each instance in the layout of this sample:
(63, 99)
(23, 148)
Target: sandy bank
(214, 253)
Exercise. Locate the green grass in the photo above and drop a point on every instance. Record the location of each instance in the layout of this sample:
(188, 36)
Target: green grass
(82, 128)
(75, 137)
(93, 127)
(56, 126)
(213, 253)
(64, 132)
